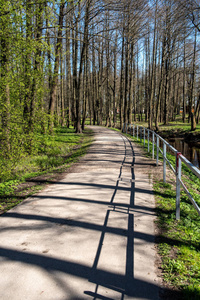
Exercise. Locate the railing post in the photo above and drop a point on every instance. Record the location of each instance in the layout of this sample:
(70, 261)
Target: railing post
(153, 142)
(140, 134)
(126, 128)
(164, 162)
(148, 138)
(144, 137)
(178, 184)
(130, 128)
(133, 130)
(157, 148)
(137, 132)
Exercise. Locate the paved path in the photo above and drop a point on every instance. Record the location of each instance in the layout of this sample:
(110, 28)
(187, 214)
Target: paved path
(89, 236)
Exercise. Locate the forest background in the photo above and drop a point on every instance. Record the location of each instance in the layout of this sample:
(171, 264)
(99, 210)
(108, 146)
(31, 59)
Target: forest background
(107, 62)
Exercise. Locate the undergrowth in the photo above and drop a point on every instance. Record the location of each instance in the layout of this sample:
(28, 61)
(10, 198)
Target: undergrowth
(54, 153)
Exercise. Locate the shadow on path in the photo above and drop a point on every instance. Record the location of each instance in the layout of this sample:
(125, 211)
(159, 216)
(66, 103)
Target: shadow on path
(125, 284)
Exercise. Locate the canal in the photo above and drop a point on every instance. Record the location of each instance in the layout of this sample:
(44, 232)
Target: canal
(191, 152)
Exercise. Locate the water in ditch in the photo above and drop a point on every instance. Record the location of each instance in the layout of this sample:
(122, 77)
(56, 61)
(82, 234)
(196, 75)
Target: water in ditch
(191, 152)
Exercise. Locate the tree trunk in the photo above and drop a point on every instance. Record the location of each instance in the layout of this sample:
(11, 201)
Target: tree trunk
(38, 58)
(86, 87)
(160, 90)
(121, 84)
(78, 81)
(94, 99)
(153, 73)
(62, 91)
(114, 83)
(54, 82)
(27, 79)
(193, 111)
(68, 80)
(126, 81)
(107, 72)
(4, 79)
(184, 104)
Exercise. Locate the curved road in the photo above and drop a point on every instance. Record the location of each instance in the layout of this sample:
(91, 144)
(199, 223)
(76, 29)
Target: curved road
(89, 236)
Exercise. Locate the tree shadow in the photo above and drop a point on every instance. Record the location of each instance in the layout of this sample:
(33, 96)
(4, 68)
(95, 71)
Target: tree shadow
(127, 284)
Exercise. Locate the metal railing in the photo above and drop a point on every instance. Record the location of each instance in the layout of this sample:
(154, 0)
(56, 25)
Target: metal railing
(141, 132)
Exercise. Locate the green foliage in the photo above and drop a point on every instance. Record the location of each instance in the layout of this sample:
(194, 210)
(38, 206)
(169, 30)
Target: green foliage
(180, 252)
(47, 151)
(52, 153)
(8, 187)
(22, 86)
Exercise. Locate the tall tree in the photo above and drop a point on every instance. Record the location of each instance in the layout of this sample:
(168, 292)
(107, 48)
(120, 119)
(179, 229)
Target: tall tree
(4, 74)
(81, 63)
(54, 82)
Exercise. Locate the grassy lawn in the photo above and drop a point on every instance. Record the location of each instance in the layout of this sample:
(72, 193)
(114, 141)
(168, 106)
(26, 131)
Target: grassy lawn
(55, 154)
(178, 240)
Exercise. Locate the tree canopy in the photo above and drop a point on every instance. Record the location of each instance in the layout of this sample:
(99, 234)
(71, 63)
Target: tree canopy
(62, 62)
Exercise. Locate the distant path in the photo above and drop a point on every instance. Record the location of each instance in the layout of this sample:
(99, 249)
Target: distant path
(89, 236)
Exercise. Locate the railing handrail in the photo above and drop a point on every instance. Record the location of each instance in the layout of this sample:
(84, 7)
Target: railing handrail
(179, 158)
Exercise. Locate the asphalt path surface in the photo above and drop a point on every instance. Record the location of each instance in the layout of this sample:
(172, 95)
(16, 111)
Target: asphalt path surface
(89, 236)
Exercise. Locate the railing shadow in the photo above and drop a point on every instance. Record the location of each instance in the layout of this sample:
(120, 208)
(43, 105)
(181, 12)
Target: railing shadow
(127, 284)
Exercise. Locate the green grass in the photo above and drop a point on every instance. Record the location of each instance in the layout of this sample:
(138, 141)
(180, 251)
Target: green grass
(54, 155)
(175, 127)
(52, 151)
(179, 241)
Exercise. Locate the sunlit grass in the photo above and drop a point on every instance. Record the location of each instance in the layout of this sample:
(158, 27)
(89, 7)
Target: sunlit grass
(179, 248)
(176, 126)
(54, 154)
